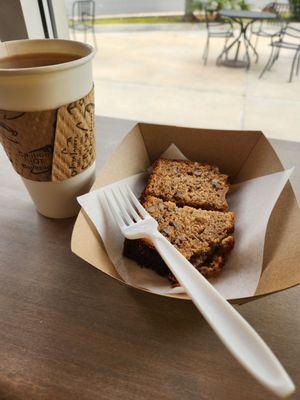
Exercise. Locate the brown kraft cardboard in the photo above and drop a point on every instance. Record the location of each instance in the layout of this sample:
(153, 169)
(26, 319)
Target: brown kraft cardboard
(241, 154)
(50, 145)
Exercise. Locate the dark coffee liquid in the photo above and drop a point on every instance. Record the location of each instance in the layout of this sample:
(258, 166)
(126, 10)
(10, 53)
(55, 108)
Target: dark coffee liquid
(36, 60)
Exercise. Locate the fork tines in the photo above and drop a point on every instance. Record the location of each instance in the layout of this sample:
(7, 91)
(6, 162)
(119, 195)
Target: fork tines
(124, 206)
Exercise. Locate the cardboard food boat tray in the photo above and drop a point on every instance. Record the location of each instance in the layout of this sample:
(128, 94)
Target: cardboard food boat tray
(241, 154)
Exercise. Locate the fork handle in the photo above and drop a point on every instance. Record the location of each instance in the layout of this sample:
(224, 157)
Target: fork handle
(233, 330)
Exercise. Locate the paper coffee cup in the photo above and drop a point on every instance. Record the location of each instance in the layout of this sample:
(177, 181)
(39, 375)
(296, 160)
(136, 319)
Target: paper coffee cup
(47, 123)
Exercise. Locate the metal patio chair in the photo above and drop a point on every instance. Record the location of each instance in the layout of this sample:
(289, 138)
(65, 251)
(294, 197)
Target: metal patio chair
(216, 28)
(272, 28)
(289, 40)
(83, 19)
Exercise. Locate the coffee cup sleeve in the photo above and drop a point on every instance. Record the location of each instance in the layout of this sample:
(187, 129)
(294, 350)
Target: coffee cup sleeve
(52, 145)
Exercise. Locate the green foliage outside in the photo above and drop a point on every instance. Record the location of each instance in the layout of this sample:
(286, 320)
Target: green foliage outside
(295, 6)
(199, 5)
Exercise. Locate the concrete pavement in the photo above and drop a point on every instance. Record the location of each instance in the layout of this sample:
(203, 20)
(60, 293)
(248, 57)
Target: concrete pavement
(158, 76)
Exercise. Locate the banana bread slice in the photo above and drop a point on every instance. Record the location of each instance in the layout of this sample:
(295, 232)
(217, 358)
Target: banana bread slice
(203, 237)
(188, 183)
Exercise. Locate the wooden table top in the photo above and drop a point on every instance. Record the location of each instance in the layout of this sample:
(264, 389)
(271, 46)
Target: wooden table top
(67, 331)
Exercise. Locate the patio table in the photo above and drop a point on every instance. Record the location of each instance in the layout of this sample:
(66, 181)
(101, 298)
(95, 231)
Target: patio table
(69, 331)
(244, 19)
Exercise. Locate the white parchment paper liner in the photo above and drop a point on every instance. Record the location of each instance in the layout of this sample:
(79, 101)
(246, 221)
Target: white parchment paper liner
(252, 201)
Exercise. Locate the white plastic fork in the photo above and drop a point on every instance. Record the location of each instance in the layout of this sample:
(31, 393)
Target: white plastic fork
(233, 330)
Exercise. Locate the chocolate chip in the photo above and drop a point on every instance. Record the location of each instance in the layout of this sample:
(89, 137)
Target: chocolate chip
(216, 184)
(197, 172)
(215, 247)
